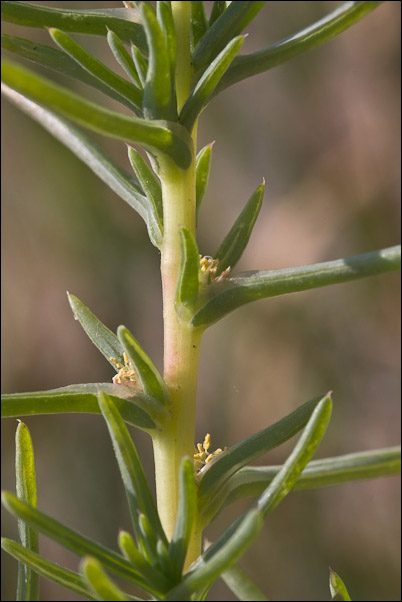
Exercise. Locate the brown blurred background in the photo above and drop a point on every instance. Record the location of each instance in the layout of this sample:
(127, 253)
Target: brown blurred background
(324, 132)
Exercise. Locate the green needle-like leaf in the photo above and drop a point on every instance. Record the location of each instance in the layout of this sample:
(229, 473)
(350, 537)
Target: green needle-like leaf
(237, 238)
(149, 572)
(223, 297)
(77, 21)
(120, 181)
(213, 476)
(252, 480)
(199, 22)
(241, 585)
(28, 581)
(218, 7)
(228, 25)
(50, 570)
(137, 489)
(80, 545)
(123, 58)
(170, 139)
(165, 19)
(202, 166)
(60, 62)
(151, 380)
(316, 34)
(101, 336)
(187, 284)
(149, 182)
(140, 64)
(185, 515)
(158, 99)
(98, 582)
(97, 69)
(136, 409)
(338, 588)
(203, 91)
(300, 456)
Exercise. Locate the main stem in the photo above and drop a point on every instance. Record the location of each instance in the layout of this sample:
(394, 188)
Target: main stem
(181, 341)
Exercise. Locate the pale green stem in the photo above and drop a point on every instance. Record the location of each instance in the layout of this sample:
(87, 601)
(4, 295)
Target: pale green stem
(181, 341)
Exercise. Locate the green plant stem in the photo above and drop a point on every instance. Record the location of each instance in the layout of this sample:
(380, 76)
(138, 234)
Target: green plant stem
(181, 341)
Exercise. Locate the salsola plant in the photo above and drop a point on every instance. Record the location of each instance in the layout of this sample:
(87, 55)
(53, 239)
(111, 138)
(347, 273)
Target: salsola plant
(176, 59)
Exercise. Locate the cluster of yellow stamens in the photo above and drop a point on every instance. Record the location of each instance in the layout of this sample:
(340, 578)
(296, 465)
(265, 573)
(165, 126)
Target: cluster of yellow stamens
(126, 374)
(209, 268)
(202, 456)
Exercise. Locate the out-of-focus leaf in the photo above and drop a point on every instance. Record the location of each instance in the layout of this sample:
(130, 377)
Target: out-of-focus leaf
(160, 136)
(218, 8)
(28, 580)
(312, 36)
(80, 545)
(203, 91)
(97, 69)
(101, 336)
(202, 166)
(165, 19)
(158, 99)
(230, 24)
(199, 22)
(236, 240)
(64, 577)
(123, 22)
(241, 585)
(120, 181)
(138, 493)
(223, 297)
(149, 572)
(98, 582)
(151, 380)
(136, 408)
(213, 476)
(60, 62)
(337, 587)
(185, 515)
(149, 182)
(252, 480)
(123, 58)
(187, 283)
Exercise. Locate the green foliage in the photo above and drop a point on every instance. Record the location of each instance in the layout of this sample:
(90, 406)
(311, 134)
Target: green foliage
(180, 59)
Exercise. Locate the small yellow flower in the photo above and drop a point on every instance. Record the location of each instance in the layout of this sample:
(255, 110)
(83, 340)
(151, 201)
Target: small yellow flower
(201, 453)
(209, 267)
(126, 374)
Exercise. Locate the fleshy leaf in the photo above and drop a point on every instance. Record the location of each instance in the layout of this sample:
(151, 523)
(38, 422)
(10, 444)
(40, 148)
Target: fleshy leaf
(199, 22)
(94, 22)
(230, 24)
(203, 91)
(151, 380)
(223, 297)
(50, 570)
(120, 181)
(138, 493)
(165, 19)
(237, 238)
(97, 69)
(149, 182)
(241, 585)
(158, 99)
(168, 138)
(101, 336)
(312, 36)
(213, 476)
(202, 166)
(149, 572)
(218, 7)
(187, 284)
(123, 58)
(337, 587)
(80, 545)
(186, 513)
(98, 582)
(140, 64)
(49, 57)
(137, 409)
(28, 580)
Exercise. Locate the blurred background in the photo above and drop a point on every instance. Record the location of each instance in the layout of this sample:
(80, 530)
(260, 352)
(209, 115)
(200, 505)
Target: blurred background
(324, 132)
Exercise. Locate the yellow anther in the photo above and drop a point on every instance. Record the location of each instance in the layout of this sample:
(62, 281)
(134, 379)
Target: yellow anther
(126, 374)
(202, 456)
